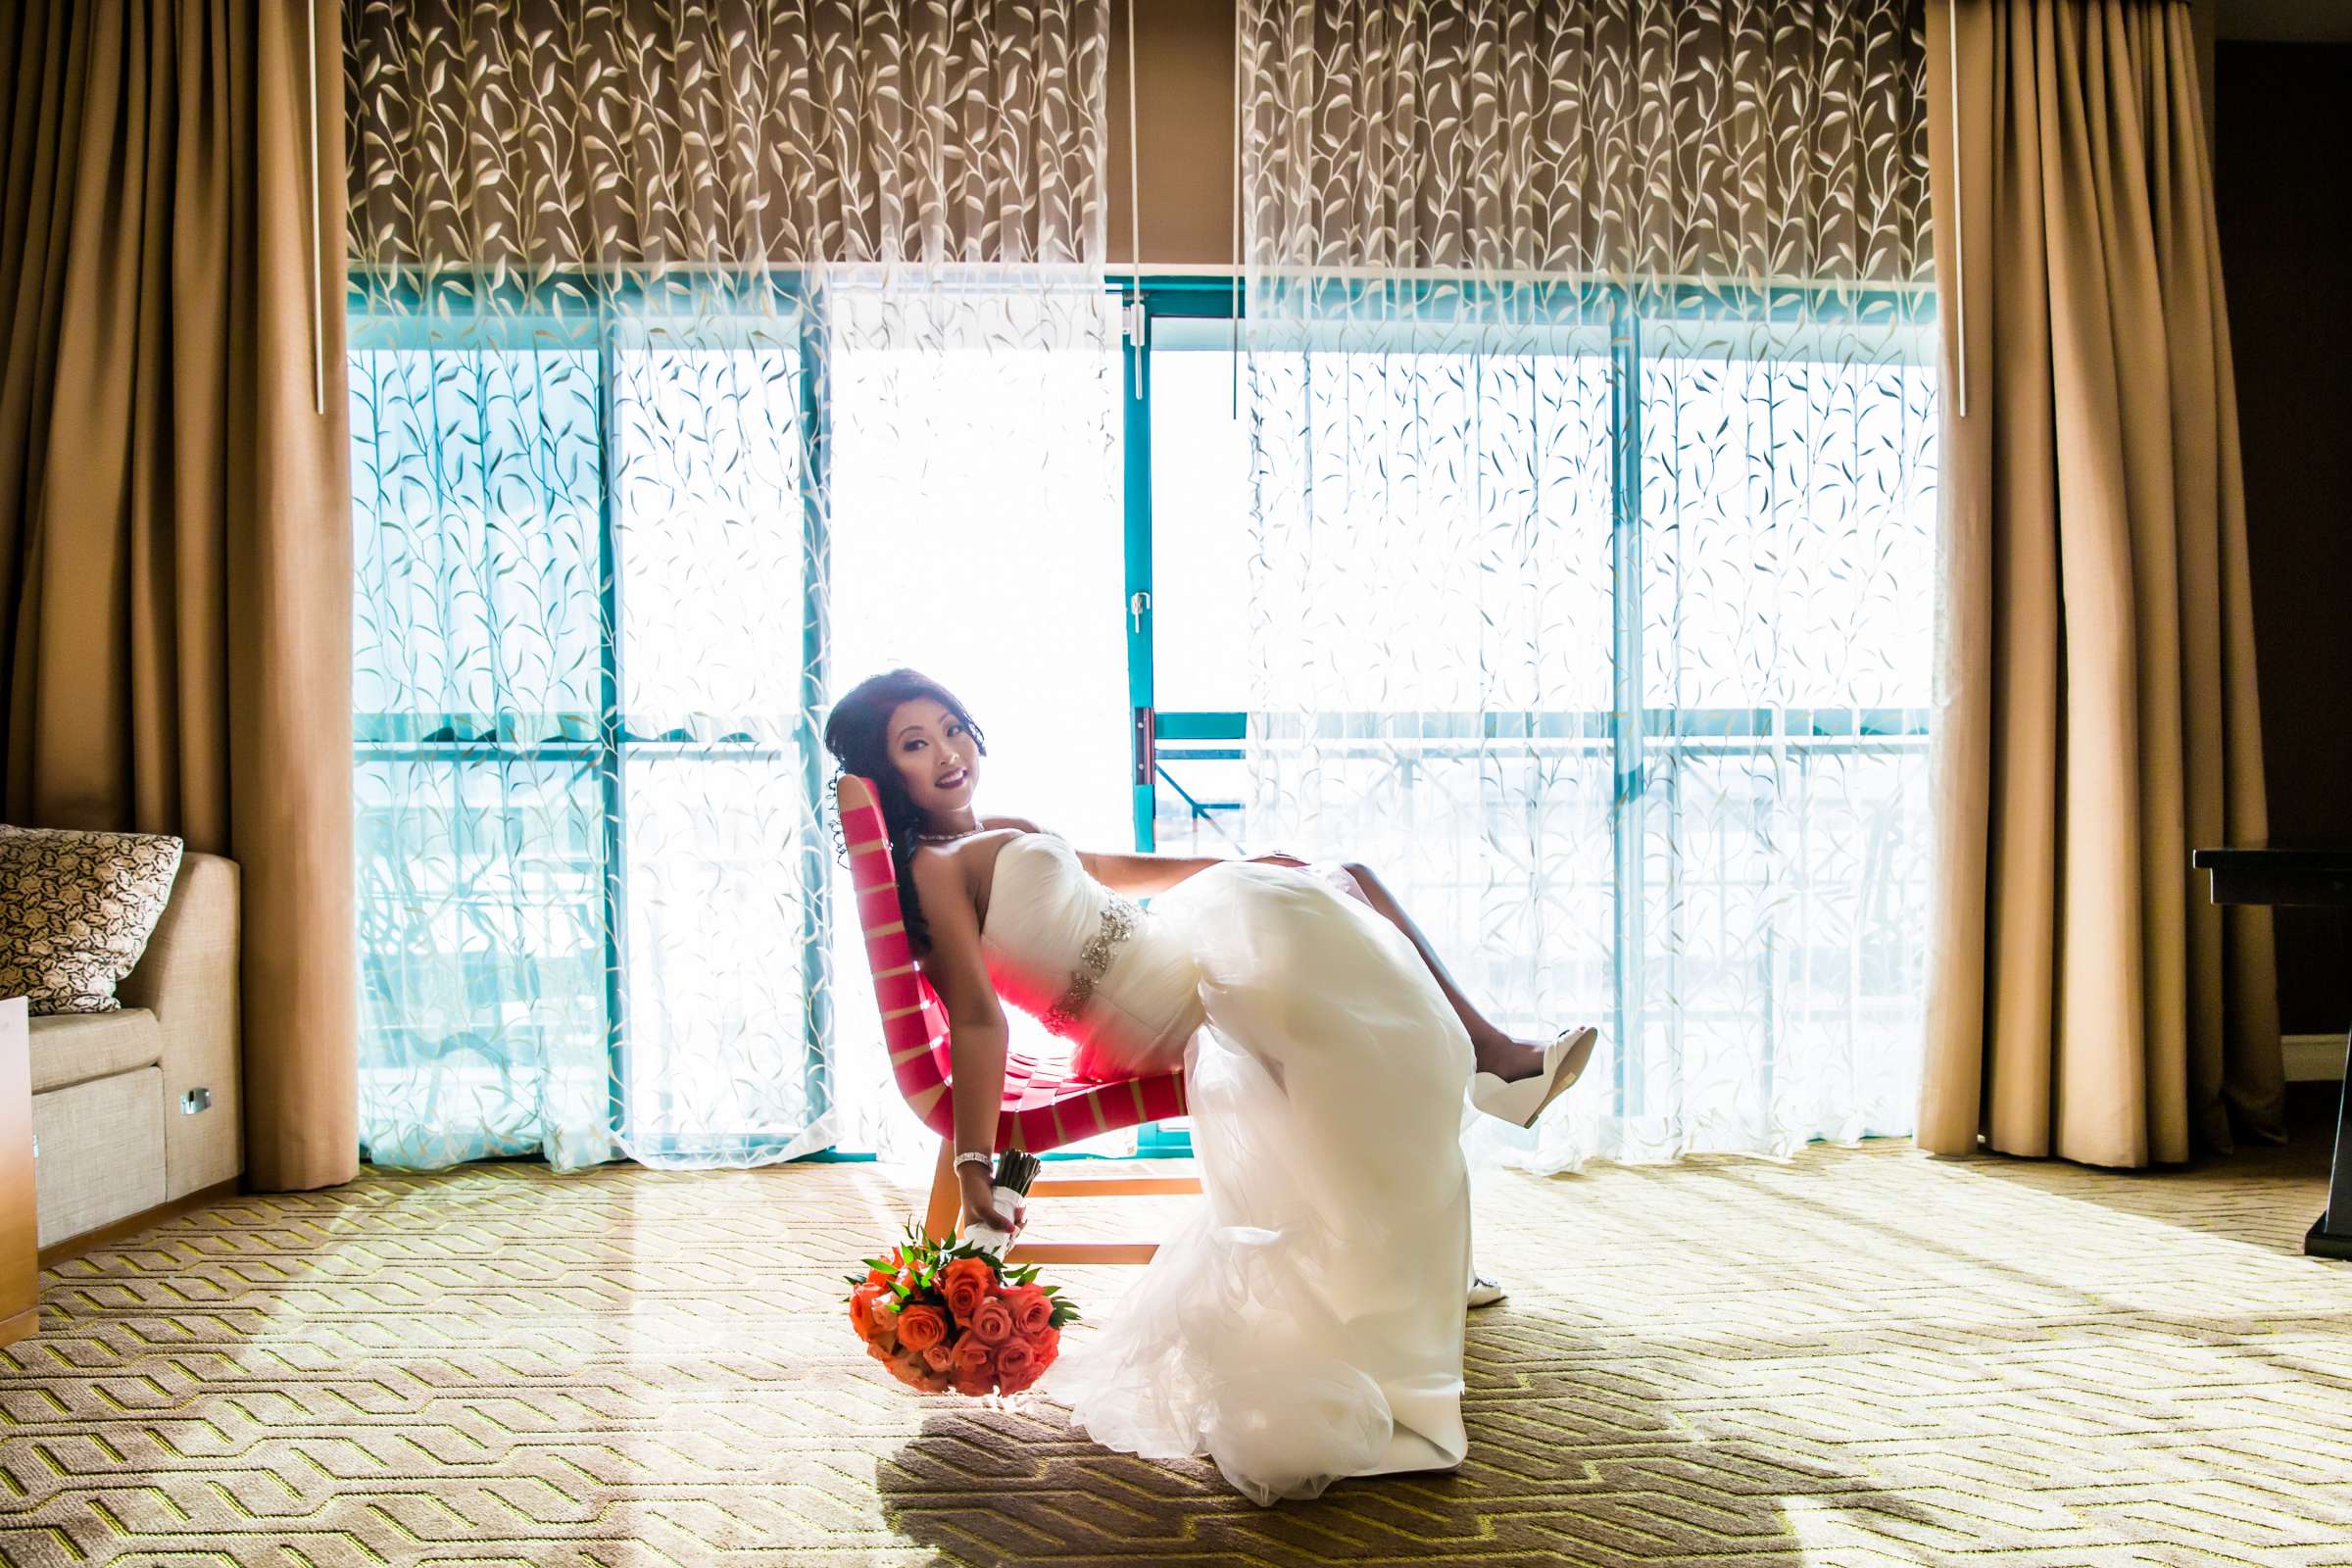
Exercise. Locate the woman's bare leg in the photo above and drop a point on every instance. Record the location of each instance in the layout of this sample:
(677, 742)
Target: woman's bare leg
(1496, 1051)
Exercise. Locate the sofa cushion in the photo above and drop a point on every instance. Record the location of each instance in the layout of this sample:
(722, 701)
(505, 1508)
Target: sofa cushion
(101, 1153)
(73, 1048)
(76, 912)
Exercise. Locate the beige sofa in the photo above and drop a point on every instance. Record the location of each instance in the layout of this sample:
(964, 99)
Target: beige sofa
(135, 1108)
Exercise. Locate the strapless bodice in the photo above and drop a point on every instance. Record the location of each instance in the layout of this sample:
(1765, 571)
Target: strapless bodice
(1092, 966)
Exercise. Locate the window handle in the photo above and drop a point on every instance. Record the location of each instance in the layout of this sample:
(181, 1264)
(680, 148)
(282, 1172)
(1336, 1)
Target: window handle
(1137, 604)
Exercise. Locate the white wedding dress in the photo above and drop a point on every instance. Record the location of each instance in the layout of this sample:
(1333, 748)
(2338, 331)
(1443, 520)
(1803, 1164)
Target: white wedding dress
(1304, 1323)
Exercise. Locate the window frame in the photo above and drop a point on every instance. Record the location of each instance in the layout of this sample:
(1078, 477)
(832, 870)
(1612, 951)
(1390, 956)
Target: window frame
(451, 314)
(602, 742)
(1633, 725)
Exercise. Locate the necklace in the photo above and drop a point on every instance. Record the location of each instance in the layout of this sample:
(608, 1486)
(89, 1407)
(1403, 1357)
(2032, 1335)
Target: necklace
(944, 838)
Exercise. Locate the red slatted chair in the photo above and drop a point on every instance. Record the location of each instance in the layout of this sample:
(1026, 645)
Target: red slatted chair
(1043, 1110)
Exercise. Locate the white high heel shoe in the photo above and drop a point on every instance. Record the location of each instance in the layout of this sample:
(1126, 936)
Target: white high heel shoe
(1521, 1101)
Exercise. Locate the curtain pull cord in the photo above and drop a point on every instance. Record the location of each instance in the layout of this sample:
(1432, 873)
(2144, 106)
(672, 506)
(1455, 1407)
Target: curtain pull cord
(318, 264)
(1234, 238)
(1951, 17)
(1135, 214)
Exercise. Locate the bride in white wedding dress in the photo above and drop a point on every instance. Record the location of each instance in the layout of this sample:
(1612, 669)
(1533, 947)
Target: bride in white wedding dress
(1305, 1324)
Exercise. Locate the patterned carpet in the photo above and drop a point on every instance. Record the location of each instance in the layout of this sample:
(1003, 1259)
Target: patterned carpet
(1866, 1356)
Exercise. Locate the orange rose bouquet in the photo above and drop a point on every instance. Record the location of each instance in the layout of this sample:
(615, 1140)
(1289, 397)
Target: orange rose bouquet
(946, 1315)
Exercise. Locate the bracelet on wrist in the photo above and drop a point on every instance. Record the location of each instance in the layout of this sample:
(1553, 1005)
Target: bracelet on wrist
(972, 1157)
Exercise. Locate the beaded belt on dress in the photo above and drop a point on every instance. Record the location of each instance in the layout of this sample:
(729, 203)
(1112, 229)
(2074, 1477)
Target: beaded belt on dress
(1118, 923)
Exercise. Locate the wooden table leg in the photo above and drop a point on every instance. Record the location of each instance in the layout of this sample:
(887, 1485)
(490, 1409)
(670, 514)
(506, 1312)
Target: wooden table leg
(20, 1218)
(2330, 1235)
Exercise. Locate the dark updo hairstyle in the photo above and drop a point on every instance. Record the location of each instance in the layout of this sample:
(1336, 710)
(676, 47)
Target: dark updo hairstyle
(858, 735)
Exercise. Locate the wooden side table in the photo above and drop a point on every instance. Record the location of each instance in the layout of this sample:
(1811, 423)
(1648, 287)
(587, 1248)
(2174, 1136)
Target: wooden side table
(19, 1231)
(2318, 878)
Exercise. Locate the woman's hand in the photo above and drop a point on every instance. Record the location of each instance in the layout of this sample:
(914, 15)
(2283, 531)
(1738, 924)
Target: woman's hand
(980, 1202)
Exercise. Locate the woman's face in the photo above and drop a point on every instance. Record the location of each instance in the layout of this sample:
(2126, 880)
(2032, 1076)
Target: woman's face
(935, 755)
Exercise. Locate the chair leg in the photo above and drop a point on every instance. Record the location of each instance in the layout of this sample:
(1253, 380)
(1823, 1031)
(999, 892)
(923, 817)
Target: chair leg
(946, 1198)
(1076, 1252)
(942, 1220)
(1118, 1187)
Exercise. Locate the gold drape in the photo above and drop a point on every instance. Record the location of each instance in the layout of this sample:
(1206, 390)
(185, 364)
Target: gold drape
(175, 511)
(2098, 706)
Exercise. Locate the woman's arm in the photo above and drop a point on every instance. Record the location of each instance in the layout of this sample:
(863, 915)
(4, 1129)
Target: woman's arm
(1146, 874)
(1140, 874)
(976, 1033)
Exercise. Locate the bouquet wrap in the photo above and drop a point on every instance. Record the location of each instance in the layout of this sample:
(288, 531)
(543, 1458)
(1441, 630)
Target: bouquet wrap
(1016, 1171)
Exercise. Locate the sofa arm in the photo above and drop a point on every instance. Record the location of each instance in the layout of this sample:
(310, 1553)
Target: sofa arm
(188, 979)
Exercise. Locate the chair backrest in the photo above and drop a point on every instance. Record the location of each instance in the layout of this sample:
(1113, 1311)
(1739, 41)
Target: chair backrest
(914, 1025)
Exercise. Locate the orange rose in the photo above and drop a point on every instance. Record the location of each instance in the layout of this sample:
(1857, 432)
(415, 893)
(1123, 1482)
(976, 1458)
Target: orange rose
(991, 1322)
(1046, 1342)
(908, 1369)
(889, 1270)
(965, 1282)
(921, 1327)
(1017, 1366)
(878, 1353)
(886, 1324)
(861, 1308)
(938, 1358)
(974, 1371)
(1031, 1309)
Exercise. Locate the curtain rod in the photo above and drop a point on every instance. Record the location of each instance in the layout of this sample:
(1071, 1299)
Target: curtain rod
(1481, 274)
(445, 266)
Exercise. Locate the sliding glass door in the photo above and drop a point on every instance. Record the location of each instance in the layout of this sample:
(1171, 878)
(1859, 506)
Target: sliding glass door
(613, 562)
(587, 839)
(1613, 657)
(1615, 661)
(714, 806)
(974, 463)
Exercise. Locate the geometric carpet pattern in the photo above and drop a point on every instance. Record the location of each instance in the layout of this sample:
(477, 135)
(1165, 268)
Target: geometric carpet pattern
(1861, 1356)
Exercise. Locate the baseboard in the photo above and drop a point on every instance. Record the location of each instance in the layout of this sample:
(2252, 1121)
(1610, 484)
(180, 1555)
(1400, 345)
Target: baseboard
(23, 1325)
(74, 1246)
(2313, 1058)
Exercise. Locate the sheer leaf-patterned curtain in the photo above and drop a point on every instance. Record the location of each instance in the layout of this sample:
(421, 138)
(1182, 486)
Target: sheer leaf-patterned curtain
(620, 271)
(1592, 412)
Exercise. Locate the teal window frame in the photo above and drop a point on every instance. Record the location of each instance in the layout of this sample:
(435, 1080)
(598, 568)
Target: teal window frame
(580, 317)
(567, 313)
(1631, 725)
